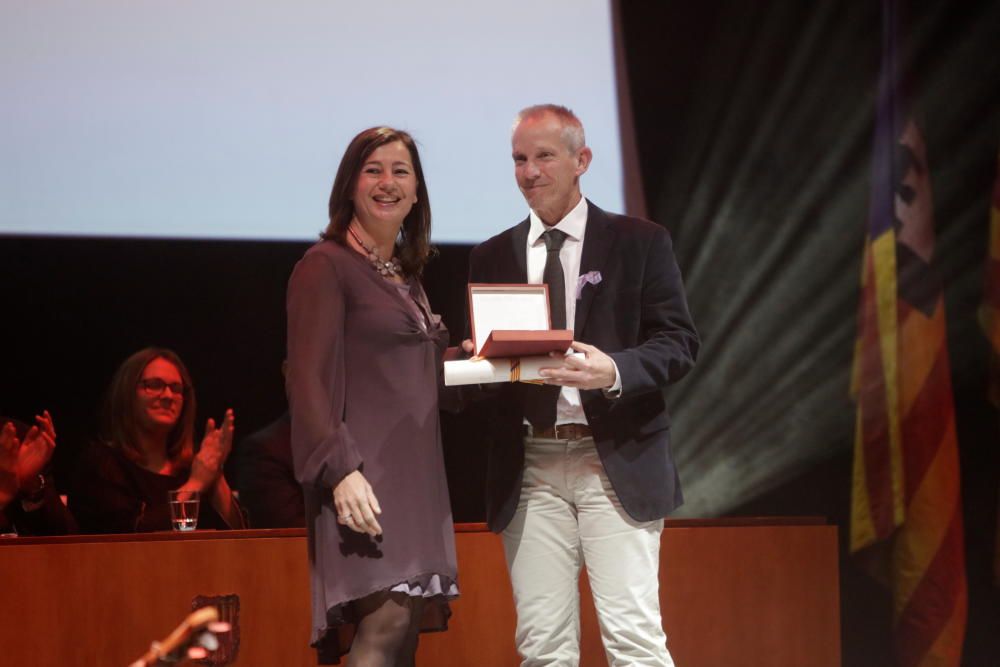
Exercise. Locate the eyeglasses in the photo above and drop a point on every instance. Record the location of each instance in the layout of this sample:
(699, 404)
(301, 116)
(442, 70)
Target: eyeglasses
(156, 386)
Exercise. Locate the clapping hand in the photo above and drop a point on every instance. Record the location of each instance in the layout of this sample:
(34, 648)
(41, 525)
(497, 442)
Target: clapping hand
(215, 447)
(357, 505)
(36, 450)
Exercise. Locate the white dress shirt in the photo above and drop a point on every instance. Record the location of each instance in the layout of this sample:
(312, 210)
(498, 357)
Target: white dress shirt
(569, 409)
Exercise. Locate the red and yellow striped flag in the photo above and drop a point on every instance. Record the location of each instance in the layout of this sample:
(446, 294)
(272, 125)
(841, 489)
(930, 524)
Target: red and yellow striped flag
(906, 513)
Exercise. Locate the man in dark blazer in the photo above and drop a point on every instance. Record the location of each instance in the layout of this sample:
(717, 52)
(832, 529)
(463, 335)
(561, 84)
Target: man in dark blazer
(580, 470)
(265, 477)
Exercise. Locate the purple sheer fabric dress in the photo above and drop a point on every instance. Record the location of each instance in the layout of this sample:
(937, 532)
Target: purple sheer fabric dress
(364, 360)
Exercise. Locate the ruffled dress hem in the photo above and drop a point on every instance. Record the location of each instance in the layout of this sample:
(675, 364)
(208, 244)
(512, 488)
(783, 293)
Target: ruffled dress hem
(334, 641)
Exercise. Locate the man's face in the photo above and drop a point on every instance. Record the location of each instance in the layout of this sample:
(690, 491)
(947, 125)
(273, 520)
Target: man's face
(547, 171)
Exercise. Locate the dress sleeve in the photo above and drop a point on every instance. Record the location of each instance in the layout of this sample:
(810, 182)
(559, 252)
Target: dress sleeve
(323, 450)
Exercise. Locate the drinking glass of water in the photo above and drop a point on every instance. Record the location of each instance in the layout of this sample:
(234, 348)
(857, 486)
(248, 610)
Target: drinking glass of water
(184, 509)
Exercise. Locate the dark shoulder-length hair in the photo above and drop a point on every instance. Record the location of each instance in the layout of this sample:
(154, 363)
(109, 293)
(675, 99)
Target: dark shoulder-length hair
(121, 409)
(413, 247)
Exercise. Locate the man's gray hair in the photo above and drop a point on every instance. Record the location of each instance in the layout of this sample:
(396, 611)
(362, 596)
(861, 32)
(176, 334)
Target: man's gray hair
(572, 128)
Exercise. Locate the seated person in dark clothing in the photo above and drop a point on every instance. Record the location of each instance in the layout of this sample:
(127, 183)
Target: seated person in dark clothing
(268, 489)
(9, 448)
(148, 450)
(29, 501)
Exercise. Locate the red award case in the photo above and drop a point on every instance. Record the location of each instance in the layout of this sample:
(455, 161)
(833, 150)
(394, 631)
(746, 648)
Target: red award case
(512, 320)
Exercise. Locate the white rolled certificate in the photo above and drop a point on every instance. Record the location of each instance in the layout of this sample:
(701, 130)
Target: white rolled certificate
(486, 371)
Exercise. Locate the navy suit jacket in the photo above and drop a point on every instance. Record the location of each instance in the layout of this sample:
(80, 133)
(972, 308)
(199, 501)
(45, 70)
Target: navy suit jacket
(265, 476)
(637, 314)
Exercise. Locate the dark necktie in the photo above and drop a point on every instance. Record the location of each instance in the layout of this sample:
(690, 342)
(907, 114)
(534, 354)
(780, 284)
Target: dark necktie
(554, 278)
(540, 402)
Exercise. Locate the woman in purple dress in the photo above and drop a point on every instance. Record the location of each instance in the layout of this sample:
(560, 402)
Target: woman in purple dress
(364, 357)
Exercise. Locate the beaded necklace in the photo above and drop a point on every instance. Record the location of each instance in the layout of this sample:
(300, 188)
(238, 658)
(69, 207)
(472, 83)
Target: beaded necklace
(386, 268)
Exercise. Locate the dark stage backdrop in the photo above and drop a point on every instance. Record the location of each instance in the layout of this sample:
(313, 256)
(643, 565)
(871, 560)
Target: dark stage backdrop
(753, 123)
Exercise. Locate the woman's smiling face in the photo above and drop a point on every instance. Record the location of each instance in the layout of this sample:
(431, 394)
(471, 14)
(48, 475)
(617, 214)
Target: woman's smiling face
(387, 186)
(159, 403)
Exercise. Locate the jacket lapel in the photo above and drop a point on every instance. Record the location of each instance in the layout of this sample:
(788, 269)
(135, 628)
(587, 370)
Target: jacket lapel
(597, 243)
(519, 247)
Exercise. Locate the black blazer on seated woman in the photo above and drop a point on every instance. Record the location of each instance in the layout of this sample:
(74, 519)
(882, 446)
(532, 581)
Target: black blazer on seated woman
(111, 494)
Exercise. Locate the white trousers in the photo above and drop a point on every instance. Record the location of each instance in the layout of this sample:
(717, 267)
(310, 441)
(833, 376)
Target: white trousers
(569, 513)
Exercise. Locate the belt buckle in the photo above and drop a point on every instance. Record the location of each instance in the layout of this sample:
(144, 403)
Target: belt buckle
(561, 432)
(570, 431)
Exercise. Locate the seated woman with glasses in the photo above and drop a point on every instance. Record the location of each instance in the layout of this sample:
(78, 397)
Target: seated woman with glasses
(148, 450)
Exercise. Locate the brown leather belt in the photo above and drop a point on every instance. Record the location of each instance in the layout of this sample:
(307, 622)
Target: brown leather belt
(561, 432)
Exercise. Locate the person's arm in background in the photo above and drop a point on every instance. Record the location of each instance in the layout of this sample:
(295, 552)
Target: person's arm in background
(39, 510)
(207, 476)
(9, 448)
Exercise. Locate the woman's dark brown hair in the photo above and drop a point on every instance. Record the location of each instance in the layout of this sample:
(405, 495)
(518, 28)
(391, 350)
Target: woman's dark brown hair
(414, 243)
(121, 409)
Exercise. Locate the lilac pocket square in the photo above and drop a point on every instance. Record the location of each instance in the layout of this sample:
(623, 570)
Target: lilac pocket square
(591, 277)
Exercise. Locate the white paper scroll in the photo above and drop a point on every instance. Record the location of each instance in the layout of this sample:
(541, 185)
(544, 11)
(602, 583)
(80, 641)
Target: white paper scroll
(486, 371)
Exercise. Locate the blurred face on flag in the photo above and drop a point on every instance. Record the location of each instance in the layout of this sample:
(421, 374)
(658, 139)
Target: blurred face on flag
(914, 206)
